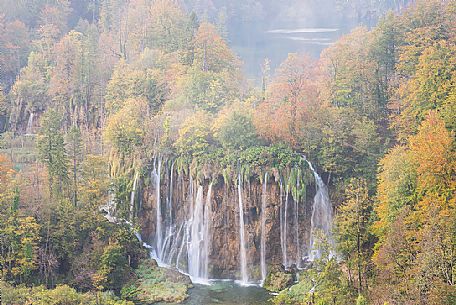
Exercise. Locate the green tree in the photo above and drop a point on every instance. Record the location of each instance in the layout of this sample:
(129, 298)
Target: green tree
(52, 151)
(75, 151)
(352, 232)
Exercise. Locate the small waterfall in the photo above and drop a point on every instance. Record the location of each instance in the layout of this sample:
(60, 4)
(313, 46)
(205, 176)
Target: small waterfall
(195, 250)
(170, 228)
(283, 244)
(156, 174)
(207, 232)
(132, 197)
(263, 230)
(243, 254)
(321, 219)
(29, 129)
(289, 226)
(198, 249)
(285, 228)
(296, 220)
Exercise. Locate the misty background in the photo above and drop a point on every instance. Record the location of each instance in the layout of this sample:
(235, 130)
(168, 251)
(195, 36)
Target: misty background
(273, 28)
(255, 29)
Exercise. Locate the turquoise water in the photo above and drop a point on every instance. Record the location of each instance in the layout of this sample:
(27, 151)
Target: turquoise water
(227, 293)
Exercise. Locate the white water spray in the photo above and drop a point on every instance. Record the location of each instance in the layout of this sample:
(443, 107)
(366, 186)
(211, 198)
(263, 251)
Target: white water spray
(29, 129)
(156, 174)
(243, 254)
(132, 197)
(321, 219)
(296, 219)
(196, 240)
(263, 230)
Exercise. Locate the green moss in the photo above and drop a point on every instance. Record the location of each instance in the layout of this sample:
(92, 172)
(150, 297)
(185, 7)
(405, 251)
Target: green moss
(278, 280)
(155, 284)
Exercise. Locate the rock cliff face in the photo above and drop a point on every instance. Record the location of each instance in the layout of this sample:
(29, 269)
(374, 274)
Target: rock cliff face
(200, 223)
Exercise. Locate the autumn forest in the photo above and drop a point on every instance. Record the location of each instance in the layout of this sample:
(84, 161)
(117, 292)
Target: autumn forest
(139, 164)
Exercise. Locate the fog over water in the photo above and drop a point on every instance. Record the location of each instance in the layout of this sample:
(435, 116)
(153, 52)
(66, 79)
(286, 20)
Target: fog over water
(259, 29)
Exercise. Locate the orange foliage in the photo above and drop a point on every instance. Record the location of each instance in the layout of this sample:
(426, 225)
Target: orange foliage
(291, 101)
(431, 149)
(211, 51)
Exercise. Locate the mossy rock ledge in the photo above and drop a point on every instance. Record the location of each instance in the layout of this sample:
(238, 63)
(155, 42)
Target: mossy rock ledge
(278, 279)
(154, 284)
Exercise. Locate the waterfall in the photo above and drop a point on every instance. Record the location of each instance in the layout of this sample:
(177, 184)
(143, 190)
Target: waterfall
(196, 239)
(296, 219)
(243, 254)
(289, 225)
(321, 219)
(263, 230)
(170, 228)
(207, 232)
(132, 197)
(285, 229)
(283, 245)
(156, 173)
(28, 130)
(198, 234)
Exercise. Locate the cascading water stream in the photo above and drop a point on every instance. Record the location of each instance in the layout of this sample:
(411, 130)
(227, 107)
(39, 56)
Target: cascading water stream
(285, 229)
(156, 174)
(132, 197)
(296, 219)
(243, 254)
(170, 227)
(196, 238)
(207, 232)
(28, 130)
(321, 220)
(263, 230)
(283, 244)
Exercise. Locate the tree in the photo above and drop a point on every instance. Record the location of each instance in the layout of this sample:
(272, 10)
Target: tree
(19, 235)
(72, 82)
(75, 150)
(168, 27)
(292, 99)
(234, 129)
(29, 93)
(51, 147)
(14, 48)
(430, 87)
(194, 135)
(352, 231)
(128, 82)
(124, 129)
(212, 53)
(416, 210)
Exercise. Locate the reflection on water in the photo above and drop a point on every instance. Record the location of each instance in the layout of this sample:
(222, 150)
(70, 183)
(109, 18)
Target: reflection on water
(275, 44)
(227, 293)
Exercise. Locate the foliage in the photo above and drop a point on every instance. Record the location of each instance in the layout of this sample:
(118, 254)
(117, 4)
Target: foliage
(155, 284)
(233, 128)
(416, 234)
(133, 80)
(60, 295)
(352, 232)
(320, 284)
(52, 151)
(124, 129)
(277, 280)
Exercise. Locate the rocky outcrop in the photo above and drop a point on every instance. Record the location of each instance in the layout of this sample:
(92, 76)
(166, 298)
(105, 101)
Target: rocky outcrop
(278, 279)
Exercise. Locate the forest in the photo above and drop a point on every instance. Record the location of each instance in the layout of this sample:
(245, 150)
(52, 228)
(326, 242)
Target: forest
(140, 165)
